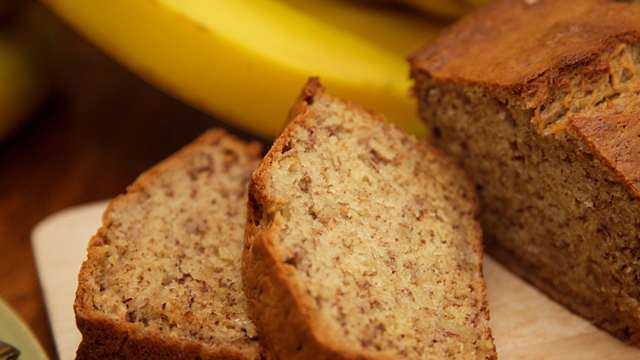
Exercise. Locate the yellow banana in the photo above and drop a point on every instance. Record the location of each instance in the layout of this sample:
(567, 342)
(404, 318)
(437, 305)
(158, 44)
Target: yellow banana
(25, 64)
(392, 28)
(244, 61)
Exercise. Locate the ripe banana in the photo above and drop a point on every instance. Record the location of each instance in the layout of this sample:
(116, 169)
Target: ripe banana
(245, 61)
(25, 64)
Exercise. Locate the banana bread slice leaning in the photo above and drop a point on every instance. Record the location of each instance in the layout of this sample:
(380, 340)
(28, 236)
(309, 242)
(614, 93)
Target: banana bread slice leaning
(362, 243)
(162, 278)
(540, 102)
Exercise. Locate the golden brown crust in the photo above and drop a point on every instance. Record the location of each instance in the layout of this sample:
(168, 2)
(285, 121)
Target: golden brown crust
(530, 46)
(615, 139)
(287, 325)
(103, 337)
(311, 90)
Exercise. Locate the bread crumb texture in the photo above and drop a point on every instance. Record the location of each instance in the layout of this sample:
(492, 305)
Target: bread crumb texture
(556, 157)
(381, 235)
(168, 257)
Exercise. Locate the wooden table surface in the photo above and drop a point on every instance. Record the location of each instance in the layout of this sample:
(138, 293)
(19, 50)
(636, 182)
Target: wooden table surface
(98, 129)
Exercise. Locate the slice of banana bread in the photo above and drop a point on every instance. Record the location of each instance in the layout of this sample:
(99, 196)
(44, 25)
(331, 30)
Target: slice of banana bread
(362, 243)
(540, 102)
(162, 278)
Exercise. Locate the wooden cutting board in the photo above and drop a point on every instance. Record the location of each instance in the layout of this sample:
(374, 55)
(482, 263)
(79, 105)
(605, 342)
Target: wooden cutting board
(526, 324)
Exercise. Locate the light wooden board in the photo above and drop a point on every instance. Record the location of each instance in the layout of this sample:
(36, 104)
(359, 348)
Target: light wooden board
(526, 324)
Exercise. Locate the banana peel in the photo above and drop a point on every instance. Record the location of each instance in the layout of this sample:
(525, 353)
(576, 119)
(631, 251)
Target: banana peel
(245, 61)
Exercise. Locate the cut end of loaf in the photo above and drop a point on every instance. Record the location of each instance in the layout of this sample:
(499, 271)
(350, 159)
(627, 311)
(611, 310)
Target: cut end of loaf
(549, 131)
(368, 237)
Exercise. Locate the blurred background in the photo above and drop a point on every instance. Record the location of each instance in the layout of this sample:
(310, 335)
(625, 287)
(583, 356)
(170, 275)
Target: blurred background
(84, 109)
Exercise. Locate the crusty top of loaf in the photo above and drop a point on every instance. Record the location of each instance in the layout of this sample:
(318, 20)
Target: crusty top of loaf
(574, 63)
(617, 140)
(523, 45)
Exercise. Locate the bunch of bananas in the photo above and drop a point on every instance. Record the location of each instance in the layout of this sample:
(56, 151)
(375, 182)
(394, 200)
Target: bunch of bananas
(26, 47)
(245, 61)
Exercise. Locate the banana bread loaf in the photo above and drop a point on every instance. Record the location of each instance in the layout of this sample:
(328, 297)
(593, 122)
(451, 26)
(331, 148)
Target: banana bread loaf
(539, 100)
(162, 278)
(362, 243)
